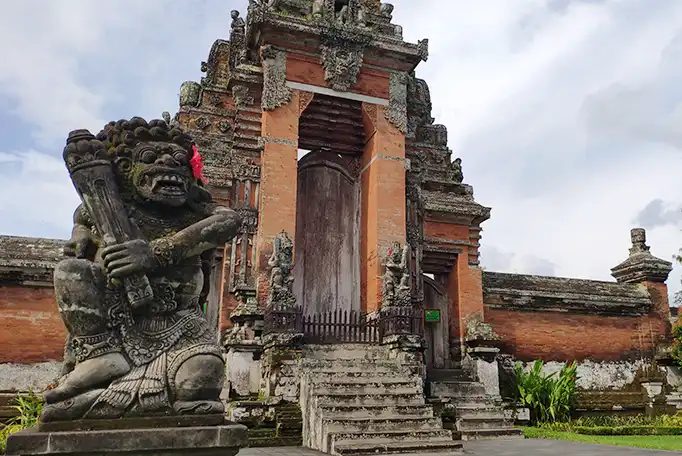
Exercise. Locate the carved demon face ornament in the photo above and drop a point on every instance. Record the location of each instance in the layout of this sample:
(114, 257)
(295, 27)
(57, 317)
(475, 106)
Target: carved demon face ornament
(162, 173)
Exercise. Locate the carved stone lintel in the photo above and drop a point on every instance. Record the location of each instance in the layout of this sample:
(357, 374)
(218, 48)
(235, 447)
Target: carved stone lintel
(396, 113)
(275, 90)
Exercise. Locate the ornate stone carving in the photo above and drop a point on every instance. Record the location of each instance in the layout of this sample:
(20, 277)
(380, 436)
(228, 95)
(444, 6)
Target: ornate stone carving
(477, 331)
(423, 49)
(246, 171)
(342, 53)
(242, 99)
(238, 25)
(395, 284)
(457, 174)
(418, 105)
(247, 321)
(224, 126)
(215, 99)
(203, 123)
(144, 213)
(190, 94)
(281, 296)
(434, 135)
(396, 113)
(249, 218)
(275, 90)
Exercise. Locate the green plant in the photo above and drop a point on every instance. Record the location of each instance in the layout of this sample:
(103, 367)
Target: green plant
(29, 406)
(676, 349)
(549, 397)
(629, 430)
(672, 420)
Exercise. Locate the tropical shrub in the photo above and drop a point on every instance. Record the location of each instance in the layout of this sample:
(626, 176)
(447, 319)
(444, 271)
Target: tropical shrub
(29, 407)
(549, 397)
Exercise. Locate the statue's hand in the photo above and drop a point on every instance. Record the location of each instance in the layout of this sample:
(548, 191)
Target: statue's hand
(128, 258)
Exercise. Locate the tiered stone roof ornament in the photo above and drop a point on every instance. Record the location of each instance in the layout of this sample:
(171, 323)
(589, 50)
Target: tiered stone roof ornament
(641, 265)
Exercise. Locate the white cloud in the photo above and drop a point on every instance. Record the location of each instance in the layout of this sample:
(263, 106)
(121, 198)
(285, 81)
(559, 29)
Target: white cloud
(566, 113)
(37, 197)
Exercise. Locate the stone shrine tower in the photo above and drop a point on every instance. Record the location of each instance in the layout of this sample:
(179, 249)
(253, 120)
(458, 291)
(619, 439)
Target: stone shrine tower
(334, 78)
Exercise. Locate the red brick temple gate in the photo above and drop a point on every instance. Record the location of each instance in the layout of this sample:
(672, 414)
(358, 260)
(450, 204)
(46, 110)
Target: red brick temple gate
(291, 78)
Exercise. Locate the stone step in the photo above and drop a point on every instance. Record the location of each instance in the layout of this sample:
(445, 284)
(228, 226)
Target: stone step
(355, 389)
(456, 389)
(384, 446)
(479, 412)
(361, 378)
(480, 401)
(467, 424)
(357, 366)
(397, 423)
(337, 352)
(369, 400)
(375, 411)
(445, 375)
(488, 434)
(394, 436)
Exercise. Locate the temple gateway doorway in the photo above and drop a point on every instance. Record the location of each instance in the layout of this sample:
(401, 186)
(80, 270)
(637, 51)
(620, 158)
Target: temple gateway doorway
(327, 263)
(436, 325)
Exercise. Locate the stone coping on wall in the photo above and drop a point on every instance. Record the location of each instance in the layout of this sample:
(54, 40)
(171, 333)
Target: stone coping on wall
(558, 294)
(28, 261)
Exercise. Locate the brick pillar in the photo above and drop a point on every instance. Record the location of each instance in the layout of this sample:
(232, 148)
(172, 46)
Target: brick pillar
(641, 267)
(383, 199)
(468, 286)
(279, 169)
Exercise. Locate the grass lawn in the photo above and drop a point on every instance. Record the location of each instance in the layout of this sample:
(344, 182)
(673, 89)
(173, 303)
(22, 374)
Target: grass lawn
(654, 442)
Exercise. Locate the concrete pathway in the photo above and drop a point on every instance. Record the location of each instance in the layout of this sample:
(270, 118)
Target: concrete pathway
(528, 447)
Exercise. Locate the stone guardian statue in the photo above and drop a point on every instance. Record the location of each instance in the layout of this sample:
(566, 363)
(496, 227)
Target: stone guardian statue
(129, 290)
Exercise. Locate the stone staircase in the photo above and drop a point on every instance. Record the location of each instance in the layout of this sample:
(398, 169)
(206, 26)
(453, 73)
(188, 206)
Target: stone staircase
(476, 414)
(356, 401)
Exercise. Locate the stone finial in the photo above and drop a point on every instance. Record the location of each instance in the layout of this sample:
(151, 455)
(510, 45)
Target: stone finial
(641, 265)
(638, 238)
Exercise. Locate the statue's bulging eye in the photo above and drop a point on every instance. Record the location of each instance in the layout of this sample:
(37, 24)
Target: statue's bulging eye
(148, 156)
(181, 158)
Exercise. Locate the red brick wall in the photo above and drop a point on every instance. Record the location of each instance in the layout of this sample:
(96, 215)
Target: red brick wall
(31, 330)
(558, 336)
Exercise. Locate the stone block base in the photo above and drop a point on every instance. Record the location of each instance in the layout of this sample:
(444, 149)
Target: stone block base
(224, 439)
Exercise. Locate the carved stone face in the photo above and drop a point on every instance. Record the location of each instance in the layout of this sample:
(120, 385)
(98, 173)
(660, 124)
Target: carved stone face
(161, 173)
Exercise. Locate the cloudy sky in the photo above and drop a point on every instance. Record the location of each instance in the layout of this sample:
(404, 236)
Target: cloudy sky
(567, 113)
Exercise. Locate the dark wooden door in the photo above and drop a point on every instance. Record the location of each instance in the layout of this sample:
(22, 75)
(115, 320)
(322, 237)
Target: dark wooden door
(327, 244)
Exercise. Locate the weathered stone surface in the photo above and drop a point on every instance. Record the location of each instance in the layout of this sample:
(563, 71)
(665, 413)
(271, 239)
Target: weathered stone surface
(28, 260)
(641, 265)
(130, 291)
(204, 441)
(530, 292)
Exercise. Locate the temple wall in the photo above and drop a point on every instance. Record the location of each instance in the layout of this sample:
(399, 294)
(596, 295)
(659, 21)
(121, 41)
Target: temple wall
(557, 319)
(30, 328)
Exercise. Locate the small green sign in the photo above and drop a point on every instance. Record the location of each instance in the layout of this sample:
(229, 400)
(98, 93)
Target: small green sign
(432, 315)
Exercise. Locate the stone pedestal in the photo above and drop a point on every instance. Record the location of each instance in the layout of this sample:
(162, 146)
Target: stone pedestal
(656, 401)
(281, 356)
(243, 369)
(166, 436)
(482, 363)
